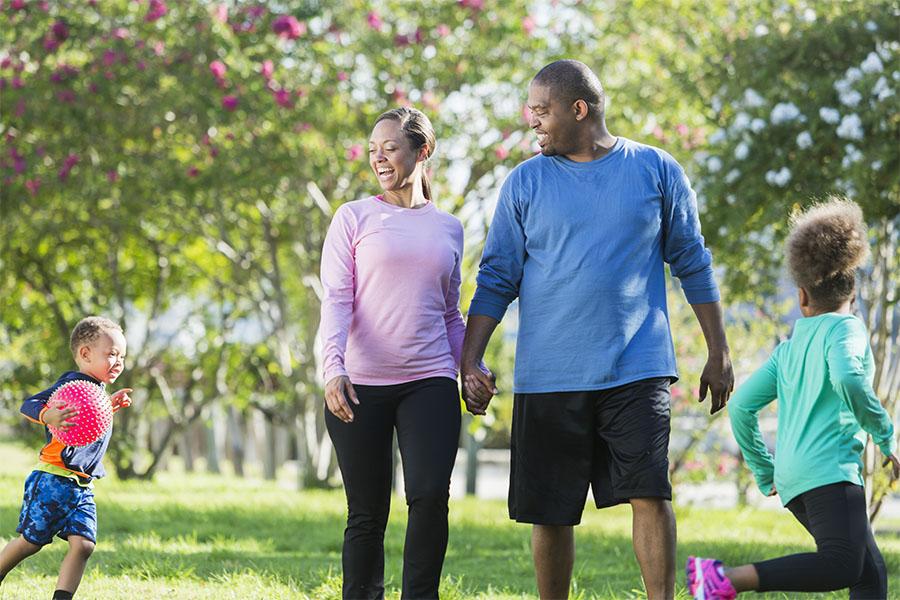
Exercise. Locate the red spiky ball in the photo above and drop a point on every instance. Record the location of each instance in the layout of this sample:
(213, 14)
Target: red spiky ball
(94, 412)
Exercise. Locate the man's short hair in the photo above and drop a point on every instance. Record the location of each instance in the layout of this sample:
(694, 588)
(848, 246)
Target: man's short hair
(571, 80)
(88, 330)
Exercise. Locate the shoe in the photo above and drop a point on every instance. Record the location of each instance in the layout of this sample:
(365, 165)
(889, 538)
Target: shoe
(706, 579)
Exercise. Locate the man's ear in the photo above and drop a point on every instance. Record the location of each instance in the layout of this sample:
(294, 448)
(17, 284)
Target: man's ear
(581, 110)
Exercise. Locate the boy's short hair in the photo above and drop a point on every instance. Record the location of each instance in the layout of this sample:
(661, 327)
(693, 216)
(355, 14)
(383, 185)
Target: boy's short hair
(88, 330)
(825, 247)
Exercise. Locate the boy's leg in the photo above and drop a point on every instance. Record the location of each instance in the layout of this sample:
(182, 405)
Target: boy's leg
(428, 422)
(72, 569)
(15, 552)
(364, 450)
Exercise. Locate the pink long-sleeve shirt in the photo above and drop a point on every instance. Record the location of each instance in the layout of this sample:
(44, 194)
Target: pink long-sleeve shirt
(391, 276)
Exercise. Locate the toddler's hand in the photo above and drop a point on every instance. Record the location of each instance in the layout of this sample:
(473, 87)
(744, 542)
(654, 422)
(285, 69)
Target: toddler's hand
(59, 417)
(121, 399)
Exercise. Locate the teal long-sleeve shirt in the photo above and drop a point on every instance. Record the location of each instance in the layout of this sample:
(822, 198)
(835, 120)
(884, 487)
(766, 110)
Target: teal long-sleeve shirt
(822, 379)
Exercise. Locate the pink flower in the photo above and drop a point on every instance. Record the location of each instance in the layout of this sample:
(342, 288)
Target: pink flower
(109, 58)
(222, 13)
(528, 24)
(33, 185)
(681, 129)
(658, 133)
(120, 33)
(401, 40)
(193, 172)
(473, 4)
(430, 101)
(17, 4)
(526, 114)
(287, 26)
(283, 98)
(159, 48)
(112, 176)
(229, 103)
(66, 96)
(501, 152)
(213, 151)
(17, 83)
(141, 65)
(354, 152)
(218, 69)
(68, 163)
(157, 10)
(419, 35)
(50, 44)
(60, 31)
(374, 21)
(268, 67)
(342, 76)
(443, 30)
(20, 108)
(5, 63)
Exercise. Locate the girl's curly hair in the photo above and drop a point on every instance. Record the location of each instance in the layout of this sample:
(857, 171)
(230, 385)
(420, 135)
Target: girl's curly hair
(825, 247)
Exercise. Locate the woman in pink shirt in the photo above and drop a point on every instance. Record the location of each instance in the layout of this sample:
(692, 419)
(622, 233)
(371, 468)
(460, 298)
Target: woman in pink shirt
(393, 335)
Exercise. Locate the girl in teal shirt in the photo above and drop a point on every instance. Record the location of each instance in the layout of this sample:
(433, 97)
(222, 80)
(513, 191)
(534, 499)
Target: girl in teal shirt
(822, 379)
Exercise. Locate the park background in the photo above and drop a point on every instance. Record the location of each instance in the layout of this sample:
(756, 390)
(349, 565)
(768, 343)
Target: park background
(175, 164)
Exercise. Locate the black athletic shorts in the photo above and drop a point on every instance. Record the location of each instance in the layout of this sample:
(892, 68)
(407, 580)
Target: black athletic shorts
(616, 440)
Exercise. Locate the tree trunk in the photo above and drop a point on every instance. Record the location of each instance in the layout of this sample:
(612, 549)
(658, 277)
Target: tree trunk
(236, 440)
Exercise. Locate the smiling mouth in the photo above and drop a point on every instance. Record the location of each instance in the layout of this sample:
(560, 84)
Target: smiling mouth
(384, 172)
(542, 138)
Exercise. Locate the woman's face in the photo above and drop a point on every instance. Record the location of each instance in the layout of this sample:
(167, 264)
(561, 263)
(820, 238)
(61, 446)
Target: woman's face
(392, 157)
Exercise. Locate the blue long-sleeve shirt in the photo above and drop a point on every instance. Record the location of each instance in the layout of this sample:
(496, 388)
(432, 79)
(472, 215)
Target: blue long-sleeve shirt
(81, 463)
(583, 247)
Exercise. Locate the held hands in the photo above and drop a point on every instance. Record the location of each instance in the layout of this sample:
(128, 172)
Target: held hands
(339, 393)
(120, 399)
(718, 378)
(478, 387)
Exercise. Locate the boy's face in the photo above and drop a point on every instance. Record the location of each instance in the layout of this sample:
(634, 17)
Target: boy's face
(105, 358)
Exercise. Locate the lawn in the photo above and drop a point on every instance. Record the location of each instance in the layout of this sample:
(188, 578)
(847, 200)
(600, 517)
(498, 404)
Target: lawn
(202, 537)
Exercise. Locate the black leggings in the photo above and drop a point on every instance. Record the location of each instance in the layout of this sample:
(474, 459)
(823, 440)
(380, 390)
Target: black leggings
(846, 555)
(426, 414)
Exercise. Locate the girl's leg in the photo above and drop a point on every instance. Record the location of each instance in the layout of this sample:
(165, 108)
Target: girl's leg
(428, 422)
(873, 582)
(72, 569)
(15, 552)
(364, 451)
(836, 517)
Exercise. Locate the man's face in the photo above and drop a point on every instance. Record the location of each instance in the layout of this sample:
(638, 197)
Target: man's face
(552, 122)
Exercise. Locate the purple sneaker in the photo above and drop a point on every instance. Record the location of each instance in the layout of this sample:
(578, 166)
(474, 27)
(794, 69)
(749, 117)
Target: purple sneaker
(706, 579)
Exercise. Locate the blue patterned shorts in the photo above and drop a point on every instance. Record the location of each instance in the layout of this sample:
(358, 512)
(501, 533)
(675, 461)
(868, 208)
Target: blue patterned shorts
(56, 505)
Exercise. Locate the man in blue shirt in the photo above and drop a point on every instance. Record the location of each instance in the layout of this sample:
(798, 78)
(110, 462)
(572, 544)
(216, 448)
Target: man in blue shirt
(580, 236)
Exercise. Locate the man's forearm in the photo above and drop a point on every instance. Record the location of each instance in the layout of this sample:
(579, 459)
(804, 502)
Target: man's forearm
(713, 325)
(479, 329)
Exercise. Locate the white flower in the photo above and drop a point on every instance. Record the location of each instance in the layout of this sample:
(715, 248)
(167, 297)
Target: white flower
(876, 165)
(732, 176)
(871, 26)
(850, 98)
(716, 104)
(717, 137)
(784, 112)
(757, 125)
(714, 164)
(778, 178)
(872, 64)
(881, 89)
(884, 50)
(804, 140)
(760, 30)
(741, 151)
(741, 122)
(852, 74)
(851, 155)
(752, 99)
(829, 115)
(850, 127)
(809, 15)
(842, 85)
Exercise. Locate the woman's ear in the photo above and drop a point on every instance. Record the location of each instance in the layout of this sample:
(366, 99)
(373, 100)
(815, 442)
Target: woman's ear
(804, 298)
(423, 153)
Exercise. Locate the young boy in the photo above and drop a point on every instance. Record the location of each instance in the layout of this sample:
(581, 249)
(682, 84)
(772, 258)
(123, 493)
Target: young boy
(59, 497)
(822, 379)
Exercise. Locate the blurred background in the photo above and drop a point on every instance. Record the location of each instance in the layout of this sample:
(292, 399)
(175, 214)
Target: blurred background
(174, 165)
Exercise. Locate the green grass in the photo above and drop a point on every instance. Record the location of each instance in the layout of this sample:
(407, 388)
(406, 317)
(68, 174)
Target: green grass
(199, 536)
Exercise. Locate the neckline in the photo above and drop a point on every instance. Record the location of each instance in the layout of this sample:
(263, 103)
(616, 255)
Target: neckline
(568, 162)
(424, 209)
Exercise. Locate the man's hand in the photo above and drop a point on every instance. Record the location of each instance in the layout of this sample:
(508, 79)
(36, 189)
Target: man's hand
(717, 378)
(60, 417)
(121, 399)
(478, 387)
(339, 393)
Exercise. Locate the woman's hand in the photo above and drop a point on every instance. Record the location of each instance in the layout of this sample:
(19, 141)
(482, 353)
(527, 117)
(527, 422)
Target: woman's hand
(339, 393)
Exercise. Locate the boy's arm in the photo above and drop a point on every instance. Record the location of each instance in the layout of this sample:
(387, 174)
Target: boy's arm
(35, 406)
(847, 348)
(754, 395)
